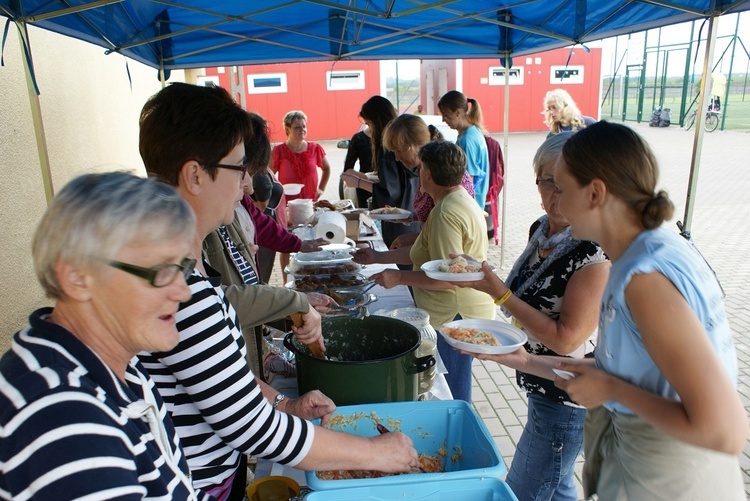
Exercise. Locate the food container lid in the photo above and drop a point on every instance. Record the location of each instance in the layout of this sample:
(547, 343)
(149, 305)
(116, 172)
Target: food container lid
(324, 256)
(414, 316)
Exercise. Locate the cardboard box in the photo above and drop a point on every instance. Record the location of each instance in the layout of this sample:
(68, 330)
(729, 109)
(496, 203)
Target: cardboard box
(352, 228)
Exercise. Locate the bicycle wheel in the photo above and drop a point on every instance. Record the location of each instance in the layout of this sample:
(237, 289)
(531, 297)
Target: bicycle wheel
(712, 121)
(689, 121)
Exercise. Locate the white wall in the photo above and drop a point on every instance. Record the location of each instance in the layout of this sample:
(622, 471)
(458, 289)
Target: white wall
(90, 117)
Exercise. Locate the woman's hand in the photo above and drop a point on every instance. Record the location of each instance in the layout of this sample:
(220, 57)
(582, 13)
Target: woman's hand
(321, 302)
(310, 331)
(591, 387)
(387, 278)
(312, 245)
(366, 256)
(393, 452)
(491, 283)
(517, 360)
(313, 404)
(352, 178)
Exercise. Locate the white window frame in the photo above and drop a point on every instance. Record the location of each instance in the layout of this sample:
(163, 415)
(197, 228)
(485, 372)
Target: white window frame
(280, 89)
(496, 75)
(204, 79)
(574, 79)
(350, 83)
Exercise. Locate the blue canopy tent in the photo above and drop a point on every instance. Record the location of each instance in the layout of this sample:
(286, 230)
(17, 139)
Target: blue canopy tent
(182, 34)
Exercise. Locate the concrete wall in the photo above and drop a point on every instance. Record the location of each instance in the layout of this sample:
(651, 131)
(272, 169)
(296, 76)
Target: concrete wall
(90, 117)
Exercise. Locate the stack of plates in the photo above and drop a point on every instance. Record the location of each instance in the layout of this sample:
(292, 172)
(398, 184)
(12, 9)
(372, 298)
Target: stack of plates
(300, 211)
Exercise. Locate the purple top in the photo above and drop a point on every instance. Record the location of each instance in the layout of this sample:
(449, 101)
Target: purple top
(269, 233)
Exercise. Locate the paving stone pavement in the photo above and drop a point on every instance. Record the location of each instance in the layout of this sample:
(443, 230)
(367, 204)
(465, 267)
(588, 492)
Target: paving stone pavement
(720, 229)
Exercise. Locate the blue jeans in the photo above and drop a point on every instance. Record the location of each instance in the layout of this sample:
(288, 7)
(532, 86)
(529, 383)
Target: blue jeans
(542, 468)
(459, 370)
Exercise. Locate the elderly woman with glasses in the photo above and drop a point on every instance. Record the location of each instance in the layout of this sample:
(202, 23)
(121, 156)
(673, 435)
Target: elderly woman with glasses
(553, 293)
(81, 417)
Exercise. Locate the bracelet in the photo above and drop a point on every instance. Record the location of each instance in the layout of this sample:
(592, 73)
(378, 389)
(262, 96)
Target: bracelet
(505, 297)
(278, 399)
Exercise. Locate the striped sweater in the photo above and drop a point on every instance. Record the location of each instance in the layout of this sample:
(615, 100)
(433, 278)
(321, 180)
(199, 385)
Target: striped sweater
(69, 428)
(216, 405)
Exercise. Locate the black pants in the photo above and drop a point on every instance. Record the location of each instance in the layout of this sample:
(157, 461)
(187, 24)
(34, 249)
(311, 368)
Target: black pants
(240, 479)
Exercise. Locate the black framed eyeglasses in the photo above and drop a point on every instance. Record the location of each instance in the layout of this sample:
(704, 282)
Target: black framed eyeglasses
(158, 276)
(547, 185)
(242, 168)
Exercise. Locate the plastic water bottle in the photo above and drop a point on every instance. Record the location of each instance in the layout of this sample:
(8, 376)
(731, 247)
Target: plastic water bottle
(420, 319)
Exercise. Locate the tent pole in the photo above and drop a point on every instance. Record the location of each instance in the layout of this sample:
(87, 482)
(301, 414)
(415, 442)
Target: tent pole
(36, 113)
(695, 161)
(506, 104)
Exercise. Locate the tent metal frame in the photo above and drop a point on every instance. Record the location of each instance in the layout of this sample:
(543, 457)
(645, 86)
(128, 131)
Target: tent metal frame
(358, 19)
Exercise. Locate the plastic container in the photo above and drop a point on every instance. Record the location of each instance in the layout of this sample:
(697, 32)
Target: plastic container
(420, 319)
(322, 263)
(273, 488)
(433, 425)
(466, 489)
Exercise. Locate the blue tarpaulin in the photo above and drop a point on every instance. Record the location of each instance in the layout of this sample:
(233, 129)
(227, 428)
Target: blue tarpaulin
(179, 34)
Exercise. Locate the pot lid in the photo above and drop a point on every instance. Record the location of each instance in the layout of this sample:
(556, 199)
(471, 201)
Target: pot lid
(414, 316)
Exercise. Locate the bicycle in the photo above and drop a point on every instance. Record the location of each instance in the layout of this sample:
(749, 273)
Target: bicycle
(711, 122)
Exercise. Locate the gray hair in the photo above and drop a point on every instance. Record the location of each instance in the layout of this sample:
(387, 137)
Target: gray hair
(95, 215)
(550, 150)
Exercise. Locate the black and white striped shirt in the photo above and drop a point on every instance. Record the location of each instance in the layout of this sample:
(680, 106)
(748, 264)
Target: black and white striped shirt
(70, 429)
(215, 402)
(244, 268)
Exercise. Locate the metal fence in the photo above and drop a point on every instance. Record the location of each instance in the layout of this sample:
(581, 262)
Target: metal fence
(661, 69)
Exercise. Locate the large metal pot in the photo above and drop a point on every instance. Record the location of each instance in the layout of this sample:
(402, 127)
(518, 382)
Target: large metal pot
(372, 360)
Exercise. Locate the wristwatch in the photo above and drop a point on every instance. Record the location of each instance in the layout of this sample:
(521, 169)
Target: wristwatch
(278, 399)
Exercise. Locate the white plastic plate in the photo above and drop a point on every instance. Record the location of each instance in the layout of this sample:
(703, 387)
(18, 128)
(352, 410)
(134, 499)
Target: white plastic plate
(510, 338)
(431, 270)
(382, 215)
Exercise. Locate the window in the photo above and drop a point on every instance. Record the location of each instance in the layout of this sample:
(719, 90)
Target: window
(266, 83)
(206, 81)
(345, 80)
(497, 75)
(565, 75)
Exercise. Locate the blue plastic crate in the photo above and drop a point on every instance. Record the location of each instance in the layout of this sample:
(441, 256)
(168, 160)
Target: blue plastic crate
(450, 425)
(464, 489)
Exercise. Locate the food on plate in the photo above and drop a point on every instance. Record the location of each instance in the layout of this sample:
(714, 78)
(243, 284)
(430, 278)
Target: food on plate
(324, 204)
(325, 269)
(389, 210)
(459, 265)
(474, 336)
(316, 283)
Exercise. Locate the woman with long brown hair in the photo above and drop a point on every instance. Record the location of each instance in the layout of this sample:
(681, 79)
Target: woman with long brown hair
(397, 184)
(464, 115)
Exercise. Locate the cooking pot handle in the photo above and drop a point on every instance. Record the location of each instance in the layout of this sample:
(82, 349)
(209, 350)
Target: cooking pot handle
(422, 364)
(288, 342)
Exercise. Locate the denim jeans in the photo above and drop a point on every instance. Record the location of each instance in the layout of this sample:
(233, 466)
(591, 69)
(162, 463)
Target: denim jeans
(459, 370)
(542, 468)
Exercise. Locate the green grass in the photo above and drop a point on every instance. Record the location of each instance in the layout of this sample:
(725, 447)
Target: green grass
(737, 111)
